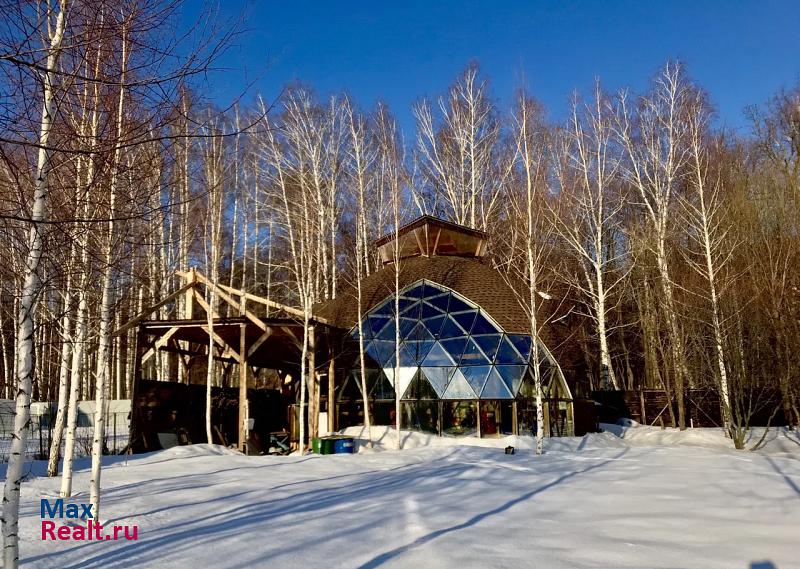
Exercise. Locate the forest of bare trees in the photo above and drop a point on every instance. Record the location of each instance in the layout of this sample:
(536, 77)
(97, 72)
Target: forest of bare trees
(666, 248)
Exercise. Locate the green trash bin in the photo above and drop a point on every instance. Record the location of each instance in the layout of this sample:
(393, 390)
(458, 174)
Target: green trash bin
(316, 446)
(327, 444)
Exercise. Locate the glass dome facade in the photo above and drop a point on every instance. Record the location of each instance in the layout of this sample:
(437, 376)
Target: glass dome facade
(450, 349)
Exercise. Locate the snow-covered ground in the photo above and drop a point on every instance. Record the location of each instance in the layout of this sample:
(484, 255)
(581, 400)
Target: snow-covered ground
(650, 499)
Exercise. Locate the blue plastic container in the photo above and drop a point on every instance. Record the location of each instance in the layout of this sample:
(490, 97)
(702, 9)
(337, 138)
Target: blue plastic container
(344, 445)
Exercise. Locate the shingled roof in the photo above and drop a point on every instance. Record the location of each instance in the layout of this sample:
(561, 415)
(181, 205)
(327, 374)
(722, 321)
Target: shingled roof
(471, 278)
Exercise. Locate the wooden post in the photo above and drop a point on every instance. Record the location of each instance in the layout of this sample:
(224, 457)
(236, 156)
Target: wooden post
(243, 431)
(514, 422)
(313, 386)
(641, 404)
(478, 406)
(331, 395)
(137, 373)
(546, 413)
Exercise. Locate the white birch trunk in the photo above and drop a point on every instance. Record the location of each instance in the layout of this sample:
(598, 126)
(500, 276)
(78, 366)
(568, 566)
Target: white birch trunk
(63, 383)
(30, 292)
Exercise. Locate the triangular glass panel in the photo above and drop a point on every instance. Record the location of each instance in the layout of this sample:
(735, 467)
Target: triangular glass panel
(417, 291)
(454, 347)
(406, 326)
(404, 303)
(451, 330)
(495, 387)
(528, 387)
(383, 388)
(420, 349)
(408, 354)
(429, 310)
(465, 319)
(523, 344)
(385, 309)
(473, 355)
(440, 301)
(458, 305)
(438, 377)
(482, 325)
(476, 376)
(420, 332)
(458, 388)
(419, 388)
(488, 344)
(437, 357)
(434, 325)
(387, 332)
(507, 354)
(411, 311)
(382, 351)
(512, 376)
(378, 321)
(406, 375)
(351, 390)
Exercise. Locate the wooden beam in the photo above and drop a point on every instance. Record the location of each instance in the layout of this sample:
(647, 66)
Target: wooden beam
(161, 342)
(246, 313)
(257, 344)
(141, 316)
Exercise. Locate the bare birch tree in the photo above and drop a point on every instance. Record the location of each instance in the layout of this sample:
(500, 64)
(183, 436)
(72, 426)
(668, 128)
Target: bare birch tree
(589, 219)
(654, 139)
(54, 17)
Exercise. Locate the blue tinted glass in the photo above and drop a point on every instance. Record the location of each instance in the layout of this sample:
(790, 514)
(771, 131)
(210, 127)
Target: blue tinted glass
(458, 305)
(512, 376)
(406, 326)
(429, 310)
(437, 377)
(416, 291)
(465, 319)
(495, 387)
(381, 351)
(385, 309)
(420, 332)
(387, 333)
(488, 344)
(411, 311)
(473, 355)
(451, 330)
(476, 376)
(376, 322)
(506, 354)
(439, 301)
(523, 344)
(421, 349)
(438, 357)
(434, 325)
(458, 388)
(483, 326)
(404, 303)
(455, 347)
(408, 355)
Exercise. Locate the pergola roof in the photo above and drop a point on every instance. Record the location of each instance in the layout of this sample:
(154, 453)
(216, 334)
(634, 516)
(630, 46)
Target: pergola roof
(274, 342)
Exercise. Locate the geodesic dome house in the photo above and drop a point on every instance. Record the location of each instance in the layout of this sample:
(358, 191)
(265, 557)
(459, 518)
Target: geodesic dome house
(466, 359)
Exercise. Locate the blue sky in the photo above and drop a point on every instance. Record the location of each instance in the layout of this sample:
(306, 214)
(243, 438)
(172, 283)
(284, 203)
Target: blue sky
(740, 51)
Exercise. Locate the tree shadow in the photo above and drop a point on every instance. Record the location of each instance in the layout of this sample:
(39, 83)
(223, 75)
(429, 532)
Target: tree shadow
(792, 484)
(388, 555)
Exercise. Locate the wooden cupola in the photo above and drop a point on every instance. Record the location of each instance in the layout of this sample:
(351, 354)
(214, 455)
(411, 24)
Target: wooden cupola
(429, 236)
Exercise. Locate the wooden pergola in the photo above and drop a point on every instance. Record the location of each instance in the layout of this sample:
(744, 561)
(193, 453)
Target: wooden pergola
(243, 336)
